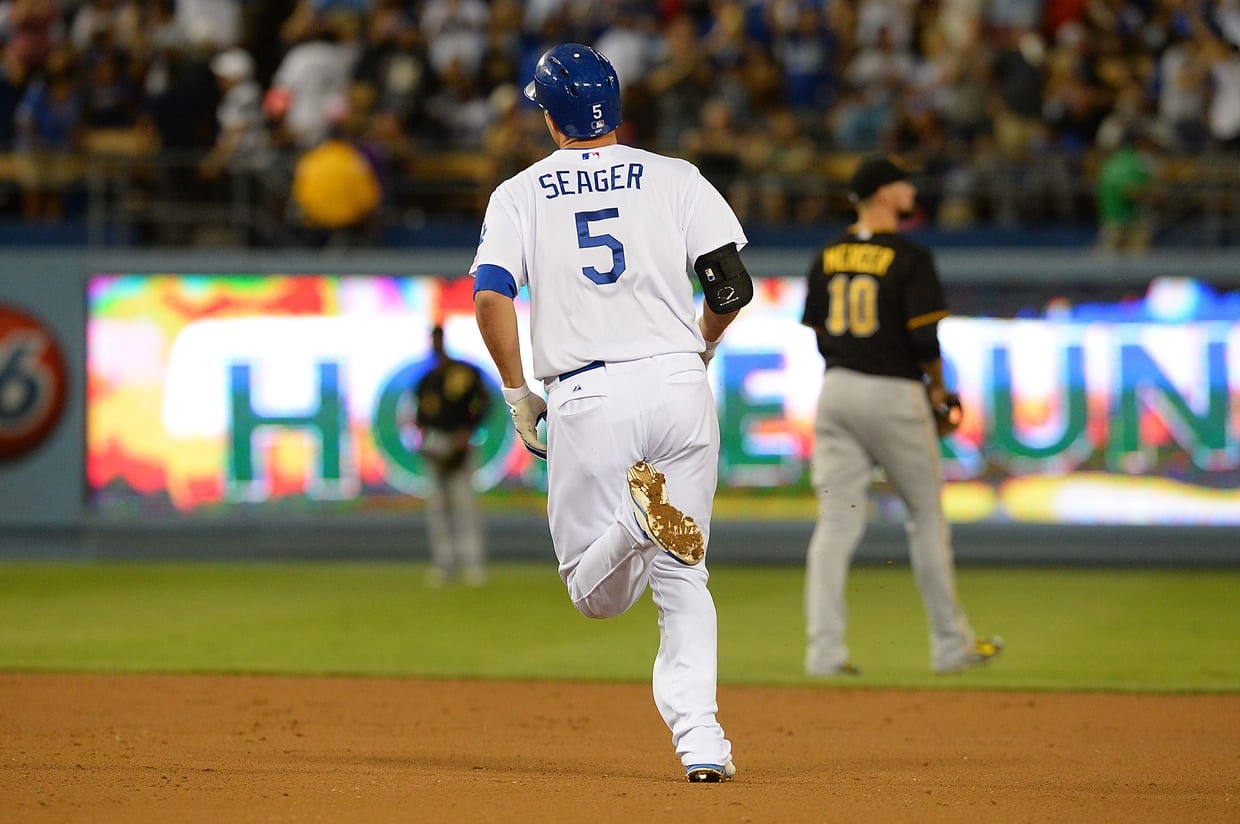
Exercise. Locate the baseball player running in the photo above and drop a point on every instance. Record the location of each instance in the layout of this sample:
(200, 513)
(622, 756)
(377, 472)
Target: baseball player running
(874, 299)
(602, 235)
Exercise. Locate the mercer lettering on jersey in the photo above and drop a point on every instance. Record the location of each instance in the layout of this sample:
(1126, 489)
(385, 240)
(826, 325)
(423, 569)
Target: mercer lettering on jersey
(858, 258)
(580, 181)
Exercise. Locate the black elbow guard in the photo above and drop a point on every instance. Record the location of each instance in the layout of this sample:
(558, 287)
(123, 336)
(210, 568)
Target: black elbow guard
(726, 284)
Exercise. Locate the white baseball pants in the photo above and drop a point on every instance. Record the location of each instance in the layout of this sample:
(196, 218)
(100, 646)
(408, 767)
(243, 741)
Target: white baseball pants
(599, 423)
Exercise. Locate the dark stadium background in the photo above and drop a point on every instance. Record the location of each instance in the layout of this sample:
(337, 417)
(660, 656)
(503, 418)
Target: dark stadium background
(1064, 150)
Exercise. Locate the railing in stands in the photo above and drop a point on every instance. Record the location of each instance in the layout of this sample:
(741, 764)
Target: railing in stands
(136, 195)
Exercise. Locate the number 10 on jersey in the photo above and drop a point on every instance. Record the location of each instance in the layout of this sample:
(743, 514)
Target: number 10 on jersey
(854, 305)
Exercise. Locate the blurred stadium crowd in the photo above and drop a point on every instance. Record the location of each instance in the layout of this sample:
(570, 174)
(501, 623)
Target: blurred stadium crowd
(1101, 112)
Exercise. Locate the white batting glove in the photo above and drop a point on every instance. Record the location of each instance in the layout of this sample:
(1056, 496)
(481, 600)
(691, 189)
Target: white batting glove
(527, 410)
(709, 353)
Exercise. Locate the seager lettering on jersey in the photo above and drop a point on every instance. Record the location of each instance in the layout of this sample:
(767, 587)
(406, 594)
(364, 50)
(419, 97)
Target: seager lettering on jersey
(583, 181)
(858, 258)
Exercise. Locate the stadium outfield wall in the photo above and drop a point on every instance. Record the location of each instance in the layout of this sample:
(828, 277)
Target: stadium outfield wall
(43, 512)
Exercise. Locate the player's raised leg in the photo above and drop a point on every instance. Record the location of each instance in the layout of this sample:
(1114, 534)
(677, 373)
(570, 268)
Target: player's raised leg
(604, 560)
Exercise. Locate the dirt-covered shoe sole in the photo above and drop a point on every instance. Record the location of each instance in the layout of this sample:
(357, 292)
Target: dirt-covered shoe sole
(672, 530)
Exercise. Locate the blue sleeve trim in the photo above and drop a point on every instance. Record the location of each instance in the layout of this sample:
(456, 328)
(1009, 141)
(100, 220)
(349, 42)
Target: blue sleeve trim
(491, 278)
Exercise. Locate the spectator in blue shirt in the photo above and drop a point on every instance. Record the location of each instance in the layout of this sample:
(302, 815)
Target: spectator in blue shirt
(48, 124)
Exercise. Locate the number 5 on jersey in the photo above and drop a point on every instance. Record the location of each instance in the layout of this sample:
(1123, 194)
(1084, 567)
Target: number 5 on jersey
(587, 240)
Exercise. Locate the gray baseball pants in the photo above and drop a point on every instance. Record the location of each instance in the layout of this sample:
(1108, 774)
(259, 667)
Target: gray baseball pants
(454, 525)
(866, 420)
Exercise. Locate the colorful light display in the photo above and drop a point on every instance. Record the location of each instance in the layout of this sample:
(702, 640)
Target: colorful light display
(290, 392)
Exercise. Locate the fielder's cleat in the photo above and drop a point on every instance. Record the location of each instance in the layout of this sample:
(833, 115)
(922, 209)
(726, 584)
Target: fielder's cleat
(674, 531)
(983, 650)
(710, 773)
(847, 668)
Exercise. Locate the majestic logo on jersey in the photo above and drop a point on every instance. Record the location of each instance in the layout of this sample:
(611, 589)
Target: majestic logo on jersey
(33, 383)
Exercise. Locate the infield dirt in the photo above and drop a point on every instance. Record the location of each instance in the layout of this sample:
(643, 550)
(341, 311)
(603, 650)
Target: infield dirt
(119, 748)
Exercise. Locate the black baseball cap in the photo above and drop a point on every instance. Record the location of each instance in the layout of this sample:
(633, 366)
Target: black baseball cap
(874, 172)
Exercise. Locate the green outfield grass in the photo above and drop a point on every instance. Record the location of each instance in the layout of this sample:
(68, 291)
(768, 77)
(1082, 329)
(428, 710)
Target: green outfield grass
(1079, 629)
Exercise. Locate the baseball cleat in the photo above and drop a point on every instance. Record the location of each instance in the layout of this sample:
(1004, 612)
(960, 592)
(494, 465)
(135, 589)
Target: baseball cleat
(983, 650)
(846, 668)
(673, 531)
(709, 773)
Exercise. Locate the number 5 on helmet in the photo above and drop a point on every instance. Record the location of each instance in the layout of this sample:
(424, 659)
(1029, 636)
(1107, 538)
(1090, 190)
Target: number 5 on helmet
(527, 410)
(579, 88)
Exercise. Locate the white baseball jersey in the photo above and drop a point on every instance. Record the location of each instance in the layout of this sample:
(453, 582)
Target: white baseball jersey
(587, 230)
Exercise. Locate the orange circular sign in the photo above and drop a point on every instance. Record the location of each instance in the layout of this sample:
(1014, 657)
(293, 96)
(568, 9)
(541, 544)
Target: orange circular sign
(33, 382)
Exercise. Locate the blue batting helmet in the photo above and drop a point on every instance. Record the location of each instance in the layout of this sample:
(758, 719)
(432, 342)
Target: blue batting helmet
(578, 88)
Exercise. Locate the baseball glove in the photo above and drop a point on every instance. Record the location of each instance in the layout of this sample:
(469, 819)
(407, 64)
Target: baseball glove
(947, 413)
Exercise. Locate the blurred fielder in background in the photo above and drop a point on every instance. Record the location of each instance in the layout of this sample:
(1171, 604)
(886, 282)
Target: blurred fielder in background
(874, 299)
(451, 401)
(602, 236)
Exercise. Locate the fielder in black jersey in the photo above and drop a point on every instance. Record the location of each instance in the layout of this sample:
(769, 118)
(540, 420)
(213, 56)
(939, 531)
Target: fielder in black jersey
(451, 402)
(874, 300)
